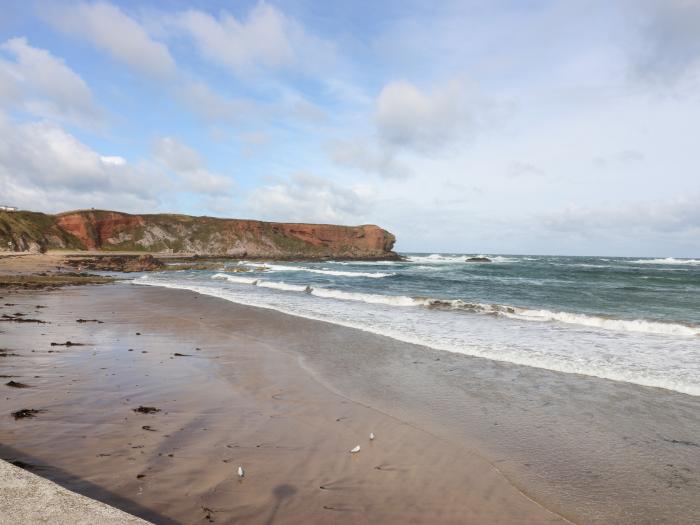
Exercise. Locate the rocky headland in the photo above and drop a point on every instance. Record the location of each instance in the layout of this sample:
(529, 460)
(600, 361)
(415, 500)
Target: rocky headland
(111, 231)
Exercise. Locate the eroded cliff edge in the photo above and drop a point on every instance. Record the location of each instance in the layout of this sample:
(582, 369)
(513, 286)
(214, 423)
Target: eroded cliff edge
(117, 231)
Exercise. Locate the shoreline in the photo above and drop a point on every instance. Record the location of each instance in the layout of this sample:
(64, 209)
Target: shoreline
(219, 407)
(618, 375)
(593, 450)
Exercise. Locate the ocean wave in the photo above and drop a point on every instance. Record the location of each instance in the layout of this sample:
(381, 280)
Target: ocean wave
(437, 258)
(234, 278)
(593, 321)
(323, 271)
(389, 300)
(619, 325)
(668, 260)
(280, 285)
(556, 362)
(364, 263)
(513, 312)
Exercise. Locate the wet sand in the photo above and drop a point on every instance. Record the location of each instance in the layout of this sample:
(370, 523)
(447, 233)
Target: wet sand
(250, 388)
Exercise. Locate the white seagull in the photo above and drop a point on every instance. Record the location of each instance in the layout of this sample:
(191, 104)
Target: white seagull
(355, 450)
(371, 436)
(241, 472)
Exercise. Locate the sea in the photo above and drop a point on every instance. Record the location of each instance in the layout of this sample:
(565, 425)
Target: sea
(635, 320)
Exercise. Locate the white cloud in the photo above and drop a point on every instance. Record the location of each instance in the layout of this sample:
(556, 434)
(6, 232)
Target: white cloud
(255, 138)
(189, 167)
(253, 141)
(670, 45)
(620, 158)
(267, 39)
(523, 169)
(679, 216)
(212, 107)
(412, 121)
(369, 157)
(307, 198)
(111, 30)
(42, 84)
(425, 121)
(44, 167)
(113, 160)
(10, 92)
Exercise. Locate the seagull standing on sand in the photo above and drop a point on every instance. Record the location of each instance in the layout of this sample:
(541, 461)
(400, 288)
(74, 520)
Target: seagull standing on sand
(355, 450)
(241, 472)
(371, 436)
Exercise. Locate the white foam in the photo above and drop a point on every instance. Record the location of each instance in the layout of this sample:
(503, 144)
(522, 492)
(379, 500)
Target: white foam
(279, 285)
(365, 263)
(323, 271)
(390, 300)
(668, 260)
(437, 258)
(667, 377)
(593, 321)
(235, 278)
(514, 312)
(620, 325)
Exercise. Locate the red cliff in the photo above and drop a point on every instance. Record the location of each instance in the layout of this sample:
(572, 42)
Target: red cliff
(116, 231)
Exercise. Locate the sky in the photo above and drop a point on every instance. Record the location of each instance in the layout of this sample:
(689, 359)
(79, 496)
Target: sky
(494, 126)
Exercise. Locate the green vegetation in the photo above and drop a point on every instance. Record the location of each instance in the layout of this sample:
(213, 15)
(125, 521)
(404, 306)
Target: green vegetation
(26, 228)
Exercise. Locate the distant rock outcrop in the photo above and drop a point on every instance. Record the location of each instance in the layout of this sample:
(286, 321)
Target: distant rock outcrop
(116, 231)
(119, 263)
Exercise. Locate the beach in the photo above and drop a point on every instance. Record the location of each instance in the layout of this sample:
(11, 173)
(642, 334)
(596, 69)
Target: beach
(458, 439)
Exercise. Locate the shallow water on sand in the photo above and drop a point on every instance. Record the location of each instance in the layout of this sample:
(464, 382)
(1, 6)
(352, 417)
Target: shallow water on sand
(230, 392)
(629, 320)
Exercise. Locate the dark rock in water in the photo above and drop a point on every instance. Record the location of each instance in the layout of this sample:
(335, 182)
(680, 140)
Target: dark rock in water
(25, 412)
(478, 259)
(16, 384)
(146, 410)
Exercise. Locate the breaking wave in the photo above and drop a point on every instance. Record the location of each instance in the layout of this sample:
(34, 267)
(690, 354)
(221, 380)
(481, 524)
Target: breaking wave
(235, 278)
(323, 271)
(437, 258)
(668, 260)
(513, 312)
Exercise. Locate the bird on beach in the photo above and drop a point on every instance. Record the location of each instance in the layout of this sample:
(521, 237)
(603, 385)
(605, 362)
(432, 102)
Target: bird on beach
(355, 450)
(371, 436)
(241, 472)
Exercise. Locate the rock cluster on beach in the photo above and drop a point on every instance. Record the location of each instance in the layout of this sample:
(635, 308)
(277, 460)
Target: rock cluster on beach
(118, 263)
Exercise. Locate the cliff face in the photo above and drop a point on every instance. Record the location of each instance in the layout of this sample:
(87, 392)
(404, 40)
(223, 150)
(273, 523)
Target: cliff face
(26, 231)
(115, 231)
